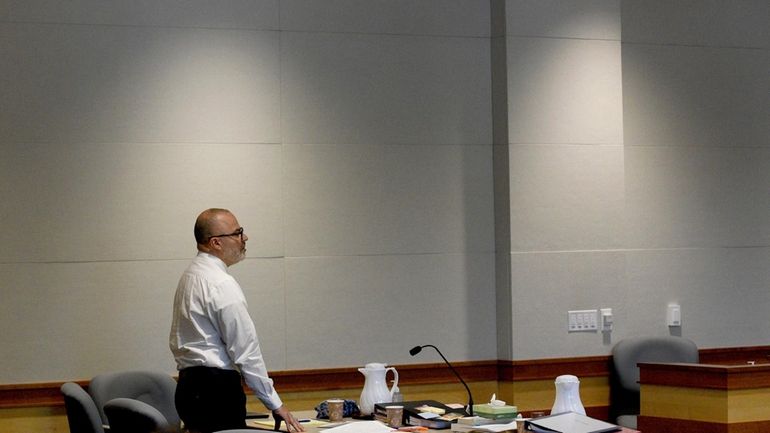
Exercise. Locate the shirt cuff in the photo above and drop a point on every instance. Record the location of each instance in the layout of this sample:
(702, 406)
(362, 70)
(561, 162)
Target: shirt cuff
(272, 401)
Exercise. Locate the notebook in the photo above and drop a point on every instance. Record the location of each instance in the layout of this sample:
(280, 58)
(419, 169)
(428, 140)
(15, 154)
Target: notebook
(570, 422)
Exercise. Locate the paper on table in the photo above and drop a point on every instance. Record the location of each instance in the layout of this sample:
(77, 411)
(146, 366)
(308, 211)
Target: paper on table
(571, 422)
(270, 423)
(495, 427)
(361, 427)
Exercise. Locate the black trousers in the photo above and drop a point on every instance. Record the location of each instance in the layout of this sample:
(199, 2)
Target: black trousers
(210, 399)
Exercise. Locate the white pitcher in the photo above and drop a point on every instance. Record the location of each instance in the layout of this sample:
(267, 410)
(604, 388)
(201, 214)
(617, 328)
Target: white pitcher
(375, 386)
(567, 395)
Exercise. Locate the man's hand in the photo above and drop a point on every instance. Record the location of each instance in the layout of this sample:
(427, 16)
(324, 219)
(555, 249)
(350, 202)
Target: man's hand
(283, 414)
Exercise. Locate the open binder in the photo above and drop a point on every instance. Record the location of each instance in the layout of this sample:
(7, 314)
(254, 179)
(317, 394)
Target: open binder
(569, 422)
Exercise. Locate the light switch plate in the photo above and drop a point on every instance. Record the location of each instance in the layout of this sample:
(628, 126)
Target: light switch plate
(582, 320)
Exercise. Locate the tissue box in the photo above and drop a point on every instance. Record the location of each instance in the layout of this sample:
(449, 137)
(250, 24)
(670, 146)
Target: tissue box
(495, 412)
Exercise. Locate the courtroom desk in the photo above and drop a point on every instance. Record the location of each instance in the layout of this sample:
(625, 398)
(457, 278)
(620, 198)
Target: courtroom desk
(305, 414)
(704, 398)
(310, 414)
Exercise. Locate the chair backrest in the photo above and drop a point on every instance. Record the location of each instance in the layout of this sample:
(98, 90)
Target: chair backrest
(630, 352)
(127, 415)
(154, 388)
(82, 414)
(624, 383)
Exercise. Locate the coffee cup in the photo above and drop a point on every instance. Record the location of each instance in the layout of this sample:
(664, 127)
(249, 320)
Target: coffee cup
(395, 415)
(335, 407)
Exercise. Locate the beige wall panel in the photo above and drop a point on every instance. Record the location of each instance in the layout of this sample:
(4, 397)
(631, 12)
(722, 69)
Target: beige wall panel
(696, 96)
(586, 19)
(566, 197)
(138, 84)
(414, 17)
(76, 320)
(564, 91)
(698, 22)
(692, 196)
(350, 310)
(545, 286)
(722, 292)
(73, 321)
(251, 14)
(385, 89)
(262, 281)
(95, 202)
(396, 199)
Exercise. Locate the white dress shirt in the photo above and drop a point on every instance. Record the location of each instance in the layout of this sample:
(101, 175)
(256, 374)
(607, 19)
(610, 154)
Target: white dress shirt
(211, 327)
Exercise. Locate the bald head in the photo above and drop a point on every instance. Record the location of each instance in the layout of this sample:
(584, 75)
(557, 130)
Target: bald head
(217, 232)
(209, 223)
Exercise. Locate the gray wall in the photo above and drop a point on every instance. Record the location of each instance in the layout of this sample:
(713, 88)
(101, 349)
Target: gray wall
(639, 153)
(354, 141)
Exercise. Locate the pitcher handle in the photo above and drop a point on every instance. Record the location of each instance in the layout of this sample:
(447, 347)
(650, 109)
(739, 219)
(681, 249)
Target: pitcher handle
(395, 379)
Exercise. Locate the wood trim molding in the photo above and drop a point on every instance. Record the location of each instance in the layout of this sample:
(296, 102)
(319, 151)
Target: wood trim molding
(735, 355)
(545, 369)
(33, 394)
(48, 394)
(708, 376)
(654, 424)
(413, 374)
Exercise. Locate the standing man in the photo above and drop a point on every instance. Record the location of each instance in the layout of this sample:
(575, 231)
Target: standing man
(213, 338)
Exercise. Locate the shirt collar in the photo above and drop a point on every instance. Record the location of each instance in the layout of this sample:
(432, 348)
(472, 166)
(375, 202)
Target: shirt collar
(213, 259)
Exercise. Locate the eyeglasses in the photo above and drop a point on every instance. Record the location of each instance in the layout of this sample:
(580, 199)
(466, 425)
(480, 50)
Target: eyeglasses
(238, 233)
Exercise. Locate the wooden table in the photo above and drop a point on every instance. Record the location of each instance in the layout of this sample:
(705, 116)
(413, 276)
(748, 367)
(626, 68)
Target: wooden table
(313, 428)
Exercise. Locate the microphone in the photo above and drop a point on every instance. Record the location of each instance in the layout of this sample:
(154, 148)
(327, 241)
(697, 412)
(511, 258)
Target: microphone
(417, 349)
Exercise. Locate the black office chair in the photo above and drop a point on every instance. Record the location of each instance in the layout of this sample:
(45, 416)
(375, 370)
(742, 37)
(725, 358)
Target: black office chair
(127, 415)
(626, 355)
(153, 388)
(82, 414)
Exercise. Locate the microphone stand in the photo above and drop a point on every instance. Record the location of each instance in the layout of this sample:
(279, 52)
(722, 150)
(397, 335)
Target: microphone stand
(417, 349)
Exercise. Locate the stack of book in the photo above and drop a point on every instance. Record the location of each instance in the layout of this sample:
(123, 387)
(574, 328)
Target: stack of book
(481, 424)
(424, 413)
(496, 412)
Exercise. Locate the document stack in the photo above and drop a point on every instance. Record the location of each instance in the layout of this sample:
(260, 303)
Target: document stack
(425, 413)
(479, 424)
(495, 416)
